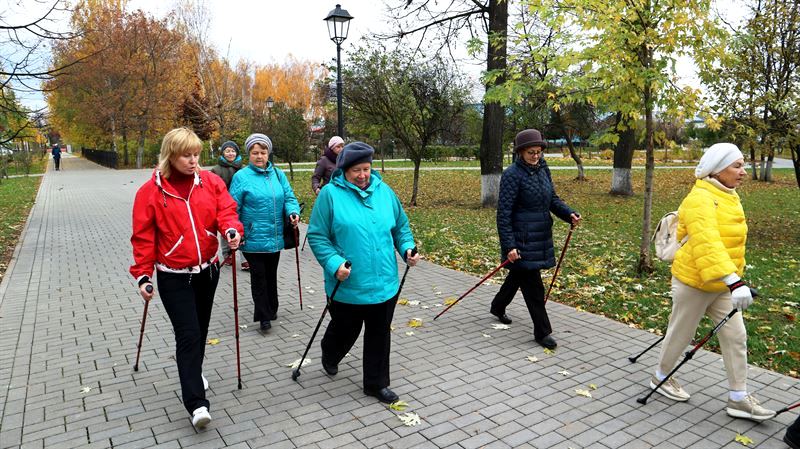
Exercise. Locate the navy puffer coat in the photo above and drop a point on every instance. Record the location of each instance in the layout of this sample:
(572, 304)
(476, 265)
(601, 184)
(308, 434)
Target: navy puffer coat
(527, 197)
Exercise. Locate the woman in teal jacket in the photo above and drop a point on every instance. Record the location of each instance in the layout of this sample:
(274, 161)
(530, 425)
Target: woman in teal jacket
(264, 197)
(358, 218)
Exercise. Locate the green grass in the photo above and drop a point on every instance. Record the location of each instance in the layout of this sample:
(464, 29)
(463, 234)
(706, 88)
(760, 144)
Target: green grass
(38, 165)
(16, 199)
(598, 272)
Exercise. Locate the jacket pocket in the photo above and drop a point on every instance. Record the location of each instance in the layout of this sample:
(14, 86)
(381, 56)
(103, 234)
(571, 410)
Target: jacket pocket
(174, 247)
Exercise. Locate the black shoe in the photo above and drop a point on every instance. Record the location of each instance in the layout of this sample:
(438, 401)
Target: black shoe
(274, 317)
(792, 437)
(548, 342)
(266, 325)
(331, 369)
(384, 395)
(502, 317)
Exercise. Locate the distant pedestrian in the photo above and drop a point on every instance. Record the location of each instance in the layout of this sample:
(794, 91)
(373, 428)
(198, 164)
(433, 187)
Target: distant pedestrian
(326, 164)
(358, 218)
(230, 161)
(176, 216)
(527, 198)
(56, 156)
(265, 200)
(706, 278)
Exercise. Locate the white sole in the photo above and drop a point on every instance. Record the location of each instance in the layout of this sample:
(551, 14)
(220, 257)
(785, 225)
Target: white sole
(663, 393)
(742, 414)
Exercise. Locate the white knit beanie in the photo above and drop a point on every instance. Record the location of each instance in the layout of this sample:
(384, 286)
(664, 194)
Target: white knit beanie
(717, 158)
(257, 138)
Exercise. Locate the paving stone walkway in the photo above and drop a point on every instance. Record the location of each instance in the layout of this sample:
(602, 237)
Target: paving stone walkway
(69, 323)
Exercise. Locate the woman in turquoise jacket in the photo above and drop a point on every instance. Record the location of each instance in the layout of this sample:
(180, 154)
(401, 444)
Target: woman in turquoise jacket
(358, 218)
(264, 197)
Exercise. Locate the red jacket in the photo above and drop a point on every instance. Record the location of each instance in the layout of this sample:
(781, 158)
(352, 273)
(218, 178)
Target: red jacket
(177, 233)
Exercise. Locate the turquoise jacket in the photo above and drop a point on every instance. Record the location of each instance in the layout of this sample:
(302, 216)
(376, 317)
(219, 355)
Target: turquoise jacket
(365, 227)
(265, 198)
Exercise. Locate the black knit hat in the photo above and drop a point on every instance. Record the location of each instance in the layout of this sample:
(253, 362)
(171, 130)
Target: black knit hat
(354, 153)
(529, 138)
(229, 144)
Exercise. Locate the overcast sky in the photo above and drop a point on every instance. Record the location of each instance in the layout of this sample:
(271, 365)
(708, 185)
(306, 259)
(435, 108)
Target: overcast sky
(268, 31)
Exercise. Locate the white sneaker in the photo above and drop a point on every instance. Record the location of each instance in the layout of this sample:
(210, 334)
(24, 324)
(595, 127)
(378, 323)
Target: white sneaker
(749, 408)
(671, 389)
(205, 382)
(200, 417)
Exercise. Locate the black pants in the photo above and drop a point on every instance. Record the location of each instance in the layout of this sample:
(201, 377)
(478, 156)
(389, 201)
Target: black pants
(344, 329)
(188, 299)
(530, 281)
(57, 162)
(264, 284)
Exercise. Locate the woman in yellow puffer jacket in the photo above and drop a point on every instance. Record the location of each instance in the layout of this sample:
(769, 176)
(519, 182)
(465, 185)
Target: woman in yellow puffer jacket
(706, 277)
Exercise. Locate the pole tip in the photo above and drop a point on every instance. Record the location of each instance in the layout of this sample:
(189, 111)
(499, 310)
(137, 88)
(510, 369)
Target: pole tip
(295, 374)
(240, 384)
(642, 400)
(136, 368)
(632, 359)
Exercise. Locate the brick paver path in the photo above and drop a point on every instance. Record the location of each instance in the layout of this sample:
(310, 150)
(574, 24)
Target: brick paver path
(69, 321)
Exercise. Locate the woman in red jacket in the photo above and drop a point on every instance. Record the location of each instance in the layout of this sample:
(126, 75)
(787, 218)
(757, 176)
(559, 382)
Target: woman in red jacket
(176, 216)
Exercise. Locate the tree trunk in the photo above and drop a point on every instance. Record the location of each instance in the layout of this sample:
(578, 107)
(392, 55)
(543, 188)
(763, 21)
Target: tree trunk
(491, 151)
(763, 164)
(291, 170)
(125, 144)
(796, 163)
(415, 187)
(645, 264)
(573, 154)
(623, 158)
(754, 175)
(140, 148)
(766, 173)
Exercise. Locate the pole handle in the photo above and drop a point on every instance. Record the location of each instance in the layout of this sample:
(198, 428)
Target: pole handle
(149, 288)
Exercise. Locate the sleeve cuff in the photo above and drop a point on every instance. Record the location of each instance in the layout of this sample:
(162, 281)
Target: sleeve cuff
(143, 279)
(731, 279)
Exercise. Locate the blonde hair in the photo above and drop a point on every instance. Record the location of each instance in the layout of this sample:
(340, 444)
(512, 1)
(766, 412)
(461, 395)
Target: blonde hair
(175, 143)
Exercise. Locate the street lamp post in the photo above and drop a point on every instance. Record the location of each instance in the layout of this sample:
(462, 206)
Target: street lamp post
(338, 26)
(270, 104)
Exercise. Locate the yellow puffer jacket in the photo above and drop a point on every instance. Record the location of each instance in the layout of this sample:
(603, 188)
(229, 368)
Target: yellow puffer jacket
(715, 222)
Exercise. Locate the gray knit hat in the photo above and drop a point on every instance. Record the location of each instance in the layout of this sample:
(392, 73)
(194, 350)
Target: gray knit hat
(257, 138)
(354, 153)
(229, 144)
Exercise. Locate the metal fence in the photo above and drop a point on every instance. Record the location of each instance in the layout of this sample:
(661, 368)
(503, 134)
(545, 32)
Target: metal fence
(102, 157)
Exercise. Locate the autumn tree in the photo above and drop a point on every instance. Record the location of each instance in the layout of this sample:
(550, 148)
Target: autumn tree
(25, 33)
(627, 55)
(414, 99)
(289, 133)
(757, 85)
(486, 23)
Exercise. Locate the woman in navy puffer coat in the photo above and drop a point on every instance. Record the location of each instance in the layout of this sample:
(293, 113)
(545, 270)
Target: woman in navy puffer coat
(527, 197)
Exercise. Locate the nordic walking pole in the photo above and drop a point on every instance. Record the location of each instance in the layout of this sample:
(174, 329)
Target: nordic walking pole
(296, 372)
(403, 281)
(297, 259)
(634, 359)
(149, 289)
(558, 265)
(232, 234)
(689, 354)
(305, 239)
(491, 273)
(786, 409)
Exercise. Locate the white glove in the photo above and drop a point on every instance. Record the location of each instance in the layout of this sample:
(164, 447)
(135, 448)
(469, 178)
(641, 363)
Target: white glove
(741, 296)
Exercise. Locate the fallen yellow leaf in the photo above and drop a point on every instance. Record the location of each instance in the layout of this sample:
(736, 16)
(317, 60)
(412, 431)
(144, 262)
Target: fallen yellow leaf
(402, 301)
(593, 386)
(743, 439)
(398, 405)
(583, 393)
(213, 341)
(549, 351)
(449, 301)
(415, 322)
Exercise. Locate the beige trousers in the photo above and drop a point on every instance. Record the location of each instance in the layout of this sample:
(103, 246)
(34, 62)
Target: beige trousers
(688, 307)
